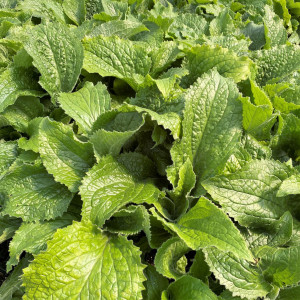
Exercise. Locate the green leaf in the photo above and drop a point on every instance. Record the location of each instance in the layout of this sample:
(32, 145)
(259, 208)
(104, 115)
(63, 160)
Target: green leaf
(275, 32)
(154, 284)
(108, 186)
(188, 287)
(199, 268)
(87, 104)
(277, 63)
(13, 282)
(275, 235)
(242, 278)
(8, 154)
(111, 138)
(46, 9)
(59, 69)
(167, 257)
(8, 226)
(200, 59)
(32, 237)
(112, 56)
(22, 112)
(280, 265)
(121, 28)
(290, 186)
(206, 225)
(32, 194)
(211, 126)
(63, 155)
(188, 26)
(286, 140)
(249, 195)
(289, 293)
(130, 221)
(95, 266)
(75, 10)
(15, 82)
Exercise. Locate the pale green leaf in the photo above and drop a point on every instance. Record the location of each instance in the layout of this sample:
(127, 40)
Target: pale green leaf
(211, 126)
(95, 266)
(200, 59)
(290, 186)
(87, 104)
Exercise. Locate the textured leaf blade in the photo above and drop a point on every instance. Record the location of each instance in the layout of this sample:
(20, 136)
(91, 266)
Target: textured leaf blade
(60, 69)
(86, 105)
(64, 156)
(108, 186)
(95, 266)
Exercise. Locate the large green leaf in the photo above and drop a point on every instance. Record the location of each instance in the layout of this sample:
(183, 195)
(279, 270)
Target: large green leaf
(281, 265)
(206, 225)
(32, 194)
(112, 56)
(201, 59)
(249, 195)
(86, 105)
(95, 266)
(242, 278)
(60, 69)
(63, 155)
(212, 127)
(8, 154)
(276, 63)
(15, 82)
(32, 237)
(108, 186)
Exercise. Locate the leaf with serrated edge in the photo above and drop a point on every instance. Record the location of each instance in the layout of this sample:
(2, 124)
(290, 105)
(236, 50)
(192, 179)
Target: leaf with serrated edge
(87, 104)
(249, 195)
(63, 155)
(33, 194)
(108, 186)
(95, 266)
(238, 275)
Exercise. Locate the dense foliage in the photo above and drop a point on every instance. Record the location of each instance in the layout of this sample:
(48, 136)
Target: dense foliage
(150, 149)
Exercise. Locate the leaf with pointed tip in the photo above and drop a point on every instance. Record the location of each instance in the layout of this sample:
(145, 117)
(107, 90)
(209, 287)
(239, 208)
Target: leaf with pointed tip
(249, 195)
(206, 225)
(32, 237)
(281, 265)
(59, 69)
(8, 226)
(95, 266)
(108, 186)
(212, 127)
(87, 104)
(201, 59)
(112, 56)
(239, 276)
(63, 155)
(32, 194)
